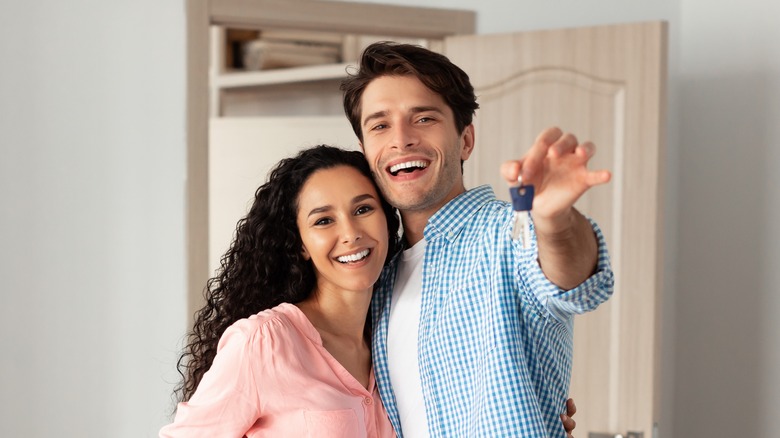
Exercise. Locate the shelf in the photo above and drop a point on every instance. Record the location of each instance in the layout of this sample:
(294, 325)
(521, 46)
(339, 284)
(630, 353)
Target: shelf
(261, 78)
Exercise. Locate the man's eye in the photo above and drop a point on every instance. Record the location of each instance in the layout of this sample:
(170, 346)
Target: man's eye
(424, 119)
(379, 127)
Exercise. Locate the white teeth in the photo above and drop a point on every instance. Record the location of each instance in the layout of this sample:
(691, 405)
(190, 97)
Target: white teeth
(353, 257)
(400, 166)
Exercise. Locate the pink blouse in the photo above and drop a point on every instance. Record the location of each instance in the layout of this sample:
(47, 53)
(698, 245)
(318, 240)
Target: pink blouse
(272, 377)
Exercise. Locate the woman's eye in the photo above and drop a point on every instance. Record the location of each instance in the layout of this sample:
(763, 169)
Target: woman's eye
(363, 209)
(323, 221)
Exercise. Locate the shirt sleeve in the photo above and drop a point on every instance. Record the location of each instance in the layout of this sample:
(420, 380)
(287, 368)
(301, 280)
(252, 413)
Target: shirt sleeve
(225, 404)
(587, 296)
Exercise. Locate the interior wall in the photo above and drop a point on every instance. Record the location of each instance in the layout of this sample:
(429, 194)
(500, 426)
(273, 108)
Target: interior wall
(728, 307)
(92, 168)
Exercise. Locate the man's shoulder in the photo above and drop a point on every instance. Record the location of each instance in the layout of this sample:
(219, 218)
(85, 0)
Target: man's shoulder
(478, 203)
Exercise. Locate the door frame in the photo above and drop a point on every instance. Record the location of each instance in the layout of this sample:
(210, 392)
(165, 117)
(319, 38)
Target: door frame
(312, 15)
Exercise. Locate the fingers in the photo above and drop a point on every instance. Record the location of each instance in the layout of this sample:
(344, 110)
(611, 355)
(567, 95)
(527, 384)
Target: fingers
(568, 423)
(534, 160)
(549, 136)
(571, 408)
(597, 177)
(585, 150)
(552, 143)
(566, 144)
(510, 170)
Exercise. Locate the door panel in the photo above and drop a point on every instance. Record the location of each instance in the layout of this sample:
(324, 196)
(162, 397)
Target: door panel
(604, 84)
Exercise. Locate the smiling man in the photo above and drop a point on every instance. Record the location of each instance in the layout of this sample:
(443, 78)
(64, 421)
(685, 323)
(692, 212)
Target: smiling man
(472, 331)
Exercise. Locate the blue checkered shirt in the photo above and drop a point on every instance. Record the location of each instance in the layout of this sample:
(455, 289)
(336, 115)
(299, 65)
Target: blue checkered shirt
(495, 336)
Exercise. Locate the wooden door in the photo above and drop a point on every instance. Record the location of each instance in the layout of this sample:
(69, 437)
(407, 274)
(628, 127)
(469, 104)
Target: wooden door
(605, 84)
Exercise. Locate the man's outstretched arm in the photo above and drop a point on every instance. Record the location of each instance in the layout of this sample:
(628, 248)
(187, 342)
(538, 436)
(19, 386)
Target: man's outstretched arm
(557, 167)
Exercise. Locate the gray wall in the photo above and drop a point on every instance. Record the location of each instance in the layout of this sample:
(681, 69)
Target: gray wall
(92, 172)
(728, 299)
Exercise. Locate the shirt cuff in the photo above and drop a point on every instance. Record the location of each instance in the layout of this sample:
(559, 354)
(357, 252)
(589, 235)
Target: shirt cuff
(587, 296)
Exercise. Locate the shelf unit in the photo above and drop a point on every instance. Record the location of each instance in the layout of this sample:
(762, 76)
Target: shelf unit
(260, 78)
(235, 92)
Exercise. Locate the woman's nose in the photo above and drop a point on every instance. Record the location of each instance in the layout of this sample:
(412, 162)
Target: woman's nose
(351, 233)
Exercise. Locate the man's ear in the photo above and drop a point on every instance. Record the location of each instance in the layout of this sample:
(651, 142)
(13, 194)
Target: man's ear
(467, 142)
(362, 149)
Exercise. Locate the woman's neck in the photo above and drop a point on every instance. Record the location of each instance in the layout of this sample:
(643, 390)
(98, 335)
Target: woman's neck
(338, 315)
(340, 320)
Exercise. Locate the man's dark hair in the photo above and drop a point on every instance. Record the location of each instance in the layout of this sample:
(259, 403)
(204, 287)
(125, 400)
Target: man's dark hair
(433, 69)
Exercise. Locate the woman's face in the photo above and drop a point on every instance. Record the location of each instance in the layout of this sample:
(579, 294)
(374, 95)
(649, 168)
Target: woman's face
(343, 229)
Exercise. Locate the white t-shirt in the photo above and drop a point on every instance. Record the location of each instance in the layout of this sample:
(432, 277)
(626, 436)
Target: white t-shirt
(403, 327)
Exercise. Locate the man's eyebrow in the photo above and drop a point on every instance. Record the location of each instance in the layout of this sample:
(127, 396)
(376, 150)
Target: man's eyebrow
(413, 110)
(372, 116)
(423, 109)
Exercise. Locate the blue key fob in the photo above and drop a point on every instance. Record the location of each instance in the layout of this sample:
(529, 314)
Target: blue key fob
(522, 197)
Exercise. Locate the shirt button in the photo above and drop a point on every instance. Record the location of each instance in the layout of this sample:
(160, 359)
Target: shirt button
(368, 400)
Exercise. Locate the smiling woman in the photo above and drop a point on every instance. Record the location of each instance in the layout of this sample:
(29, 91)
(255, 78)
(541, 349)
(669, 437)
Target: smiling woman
(281, 346)
(344, 231)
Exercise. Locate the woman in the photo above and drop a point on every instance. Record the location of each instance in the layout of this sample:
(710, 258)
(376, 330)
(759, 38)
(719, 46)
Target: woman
(281, 347)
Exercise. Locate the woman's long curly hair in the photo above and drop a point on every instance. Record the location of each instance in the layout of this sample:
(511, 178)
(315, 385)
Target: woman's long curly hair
(264, 266)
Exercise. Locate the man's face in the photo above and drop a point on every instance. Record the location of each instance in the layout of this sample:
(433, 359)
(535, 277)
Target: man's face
(412, 145)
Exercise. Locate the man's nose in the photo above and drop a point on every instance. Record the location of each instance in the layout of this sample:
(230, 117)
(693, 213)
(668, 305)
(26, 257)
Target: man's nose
(404, 136)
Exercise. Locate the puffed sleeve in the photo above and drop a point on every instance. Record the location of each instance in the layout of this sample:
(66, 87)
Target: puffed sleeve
(226, 402)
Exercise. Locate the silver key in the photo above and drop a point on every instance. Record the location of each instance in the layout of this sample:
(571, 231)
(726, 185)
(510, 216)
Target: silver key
(522, 201)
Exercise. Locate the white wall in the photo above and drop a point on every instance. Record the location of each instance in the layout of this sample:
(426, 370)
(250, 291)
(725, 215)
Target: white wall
(92, 172)
(728, 306)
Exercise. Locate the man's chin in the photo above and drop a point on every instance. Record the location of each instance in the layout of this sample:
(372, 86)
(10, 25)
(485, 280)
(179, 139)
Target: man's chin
(411, 203)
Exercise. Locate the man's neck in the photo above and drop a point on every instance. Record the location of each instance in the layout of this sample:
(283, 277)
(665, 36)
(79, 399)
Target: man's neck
(414, 221)
(414, 225)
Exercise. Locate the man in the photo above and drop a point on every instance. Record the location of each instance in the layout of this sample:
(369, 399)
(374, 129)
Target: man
(472, 331)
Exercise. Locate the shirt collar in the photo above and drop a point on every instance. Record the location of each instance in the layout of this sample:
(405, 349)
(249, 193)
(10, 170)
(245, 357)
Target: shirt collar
(452, 217)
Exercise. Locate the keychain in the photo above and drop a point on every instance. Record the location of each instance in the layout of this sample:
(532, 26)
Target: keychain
(522, 200)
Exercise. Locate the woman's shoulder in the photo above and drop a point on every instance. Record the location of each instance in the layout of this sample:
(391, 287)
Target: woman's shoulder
(283, 320)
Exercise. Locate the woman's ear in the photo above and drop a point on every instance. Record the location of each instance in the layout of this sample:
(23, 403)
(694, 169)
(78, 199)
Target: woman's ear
(305, 253)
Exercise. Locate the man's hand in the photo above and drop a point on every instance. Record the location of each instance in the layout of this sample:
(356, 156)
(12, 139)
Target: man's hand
(568, 422)
(557, 167)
